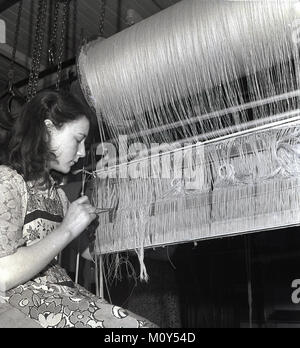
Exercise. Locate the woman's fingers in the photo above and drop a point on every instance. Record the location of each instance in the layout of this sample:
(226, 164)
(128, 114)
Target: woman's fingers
(79, 216)
(85, 203)
(82, 200)
(90, 210)
(93, 216)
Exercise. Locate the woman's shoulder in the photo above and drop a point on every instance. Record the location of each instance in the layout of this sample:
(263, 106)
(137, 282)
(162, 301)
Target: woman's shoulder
(13, 198)
(9, 176)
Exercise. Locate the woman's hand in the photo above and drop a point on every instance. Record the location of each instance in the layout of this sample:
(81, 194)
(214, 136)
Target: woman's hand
(78, 217)
(28, 261)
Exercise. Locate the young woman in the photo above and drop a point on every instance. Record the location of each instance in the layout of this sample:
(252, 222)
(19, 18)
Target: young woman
(36, 221)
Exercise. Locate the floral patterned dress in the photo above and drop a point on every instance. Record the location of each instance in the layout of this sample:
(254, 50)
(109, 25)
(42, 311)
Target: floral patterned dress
(27, 214)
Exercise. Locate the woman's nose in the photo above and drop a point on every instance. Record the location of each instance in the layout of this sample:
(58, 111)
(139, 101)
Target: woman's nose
(81, 151)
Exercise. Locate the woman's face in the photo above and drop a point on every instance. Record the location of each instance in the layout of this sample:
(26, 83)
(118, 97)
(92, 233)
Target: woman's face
(68, 143)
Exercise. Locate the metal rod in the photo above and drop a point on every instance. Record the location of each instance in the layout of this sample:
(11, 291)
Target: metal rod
(197, 240)
(77, 264)
(216, 114)
(101, 277)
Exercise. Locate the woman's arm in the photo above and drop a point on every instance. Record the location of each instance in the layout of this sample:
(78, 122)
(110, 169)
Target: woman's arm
(27, 262)
(23, 265)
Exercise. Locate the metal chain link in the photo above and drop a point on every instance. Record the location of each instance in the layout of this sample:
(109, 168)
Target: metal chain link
(52, 46)
(75, 11)
(33, 58)
(102, 17)
(14, 50)
(37, 49)
(62, 41)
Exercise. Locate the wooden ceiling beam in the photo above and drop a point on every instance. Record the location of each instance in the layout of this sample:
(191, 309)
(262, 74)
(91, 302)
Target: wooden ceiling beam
(5, 4)
(44, 73)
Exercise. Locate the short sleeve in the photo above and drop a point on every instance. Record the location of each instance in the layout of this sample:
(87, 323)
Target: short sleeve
(12, 210)
(64, 200)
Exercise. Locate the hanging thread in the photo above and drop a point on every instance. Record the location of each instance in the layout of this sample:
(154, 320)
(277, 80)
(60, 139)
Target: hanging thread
(208, 94)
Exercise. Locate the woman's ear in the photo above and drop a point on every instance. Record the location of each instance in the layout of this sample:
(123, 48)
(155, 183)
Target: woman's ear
(49, 129)
(49, 125)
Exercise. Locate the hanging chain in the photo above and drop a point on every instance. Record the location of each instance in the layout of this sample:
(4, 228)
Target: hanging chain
(34, 54)
(40, 45)
(37, 49)
(14, 49)
(52, 46)
(102, 17)
(62, 41)
(75, 10)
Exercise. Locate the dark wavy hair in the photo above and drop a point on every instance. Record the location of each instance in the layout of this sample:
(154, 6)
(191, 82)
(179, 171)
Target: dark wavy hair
(29, 150)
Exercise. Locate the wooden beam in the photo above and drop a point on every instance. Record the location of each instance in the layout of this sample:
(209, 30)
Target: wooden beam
(21, 59)
(5, 4)
(47, 72)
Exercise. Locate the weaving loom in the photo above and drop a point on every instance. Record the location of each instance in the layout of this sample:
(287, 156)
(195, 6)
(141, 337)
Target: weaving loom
(206, 96)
